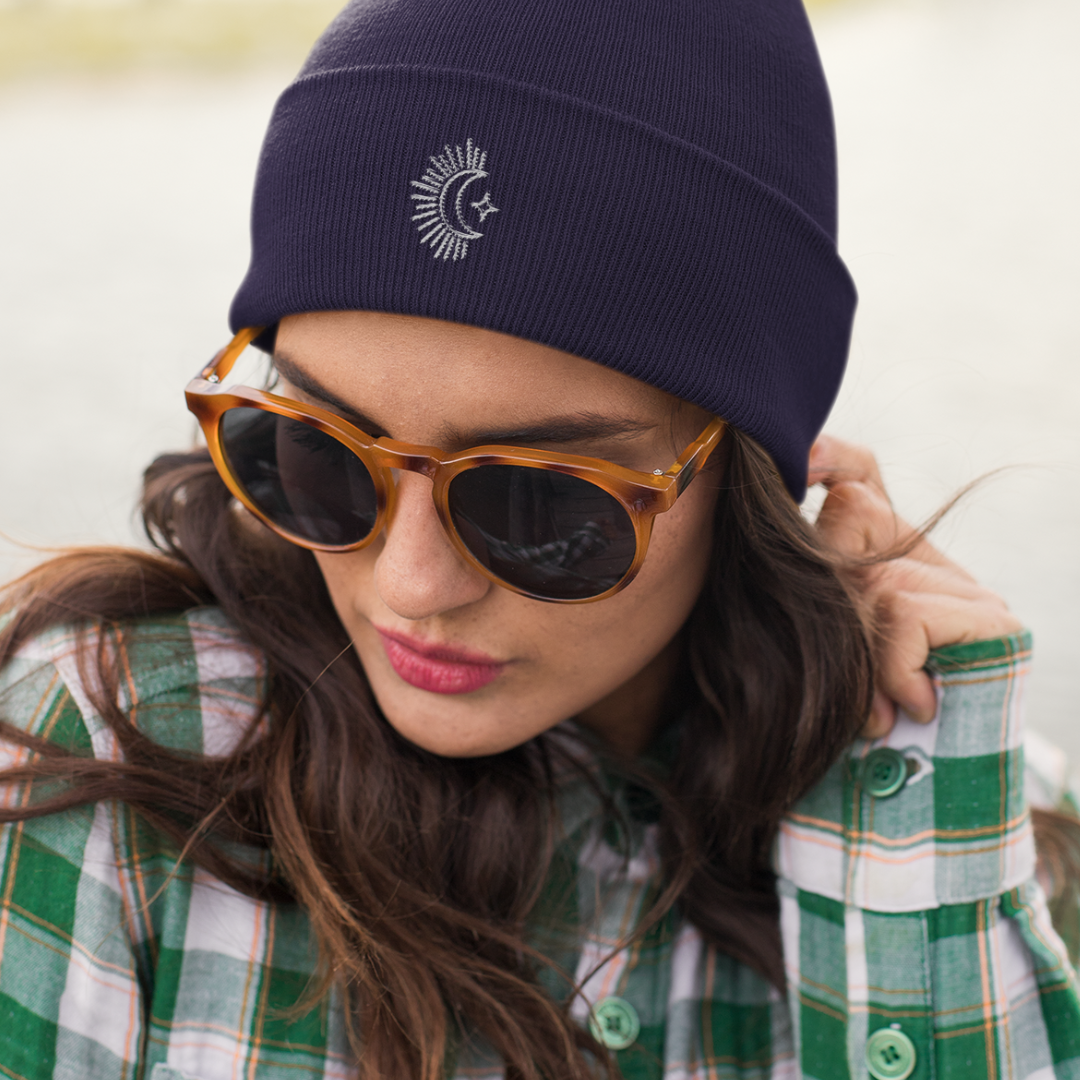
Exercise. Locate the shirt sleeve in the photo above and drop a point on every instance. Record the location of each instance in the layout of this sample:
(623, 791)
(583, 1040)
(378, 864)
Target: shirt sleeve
(84, 894)
(70, 999)
(917, 940)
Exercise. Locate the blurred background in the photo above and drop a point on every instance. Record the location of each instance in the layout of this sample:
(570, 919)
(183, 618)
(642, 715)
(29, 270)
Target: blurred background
(129, 132)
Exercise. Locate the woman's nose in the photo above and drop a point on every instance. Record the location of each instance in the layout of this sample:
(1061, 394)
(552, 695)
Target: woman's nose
(419, 572)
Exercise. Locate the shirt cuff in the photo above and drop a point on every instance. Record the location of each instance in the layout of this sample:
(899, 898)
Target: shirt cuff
(931, 814)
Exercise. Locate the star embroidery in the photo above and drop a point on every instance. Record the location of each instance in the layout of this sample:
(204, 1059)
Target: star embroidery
(485, 207)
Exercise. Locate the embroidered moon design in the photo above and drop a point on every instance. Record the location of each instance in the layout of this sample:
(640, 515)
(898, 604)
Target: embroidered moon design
(440, 201)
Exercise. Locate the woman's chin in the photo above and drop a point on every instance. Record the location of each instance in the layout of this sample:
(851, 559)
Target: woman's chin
(459, 725)
(471, 738)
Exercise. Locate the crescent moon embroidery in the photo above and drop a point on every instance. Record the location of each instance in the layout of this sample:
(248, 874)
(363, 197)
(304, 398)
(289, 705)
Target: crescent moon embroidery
(440, 201)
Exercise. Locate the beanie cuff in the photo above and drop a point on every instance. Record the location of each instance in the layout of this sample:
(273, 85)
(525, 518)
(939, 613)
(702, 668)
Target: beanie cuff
(478, 200)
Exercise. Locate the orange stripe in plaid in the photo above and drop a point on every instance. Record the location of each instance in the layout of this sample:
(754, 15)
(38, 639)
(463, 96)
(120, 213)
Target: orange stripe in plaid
(1006, 706)
(71, 942)
(865, 851)
(5, 1071)
(955, 676)
(940, 1013)
(133, 871)
(1002, 996)
(612, 977)
(823, 987)
(1003, 677)
(706, 1013)
(817, 823)
(868, 836)
(1068, 976)
(10, 792)
(260, 1019)
(817, 1006)
(252, 954)
(15, 841)
(957, 1033)
(132, 879)
(136, 871)
(1015, 661)
(984, 980)
(234, 1033)
(899, 1014)
(934, 853)
(75, 958)
(856, 819)
(134, 1012)
(690, 1066)
(14, 848)
(315, 1070)
(818, 841)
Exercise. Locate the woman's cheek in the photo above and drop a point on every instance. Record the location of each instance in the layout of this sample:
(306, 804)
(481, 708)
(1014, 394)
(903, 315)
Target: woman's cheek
(562, 658)
(589, 650)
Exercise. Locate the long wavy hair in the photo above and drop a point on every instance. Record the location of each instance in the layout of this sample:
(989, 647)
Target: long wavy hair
(418, 872)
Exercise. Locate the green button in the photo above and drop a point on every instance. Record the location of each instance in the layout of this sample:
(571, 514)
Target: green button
(884, 772)
(615, 1023)
(890, 1054)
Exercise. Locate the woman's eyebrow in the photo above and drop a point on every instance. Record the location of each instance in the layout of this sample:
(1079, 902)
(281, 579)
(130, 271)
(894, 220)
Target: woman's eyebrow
(307, 384)
(561, 429)
(581, 427)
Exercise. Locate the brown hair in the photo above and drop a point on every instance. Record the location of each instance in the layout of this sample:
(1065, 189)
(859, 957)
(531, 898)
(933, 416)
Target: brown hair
(418, 872)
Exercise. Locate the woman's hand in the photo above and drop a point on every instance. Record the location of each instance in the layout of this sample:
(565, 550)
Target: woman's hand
(918, 602)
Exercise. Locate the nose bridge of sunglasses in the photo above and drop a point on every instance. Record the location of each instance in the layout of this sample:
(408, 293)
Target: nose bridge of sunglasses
(407, 457)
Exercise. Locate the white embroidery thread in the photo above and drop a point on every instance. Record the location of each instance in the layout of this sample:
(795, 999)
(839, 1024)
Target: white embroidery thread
(441, 200)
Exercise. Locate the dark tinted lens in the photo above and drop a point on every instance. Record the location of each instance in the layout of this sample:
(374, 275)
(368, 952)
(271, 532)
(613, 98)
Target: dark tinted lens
(554, 535)
(303, 480)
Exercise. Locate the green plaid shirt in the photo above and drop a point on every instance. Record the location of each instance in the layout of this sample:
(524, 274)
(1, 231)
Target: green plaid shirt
(915, 914)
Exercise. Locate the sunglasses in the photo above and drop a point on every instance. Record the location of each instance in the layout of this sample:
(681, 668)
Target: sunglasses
(551, 526)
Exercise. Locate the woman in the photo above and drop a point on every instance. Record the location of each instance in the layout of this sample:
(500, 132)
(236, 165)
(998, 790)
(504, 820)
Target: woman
(490, 708)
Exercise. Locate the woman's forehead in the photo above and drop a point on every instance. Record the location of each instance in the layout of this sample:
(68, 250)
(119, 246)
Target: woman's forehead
(412, 369)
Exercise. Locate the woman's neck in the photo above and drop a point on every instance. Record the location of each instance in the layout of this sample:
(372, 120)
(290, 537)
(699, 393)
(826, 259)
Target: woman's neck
(627, 719)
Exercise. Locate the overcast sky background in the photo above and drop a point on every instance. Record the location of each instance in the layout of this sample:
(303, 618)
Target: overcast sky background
(123, 233)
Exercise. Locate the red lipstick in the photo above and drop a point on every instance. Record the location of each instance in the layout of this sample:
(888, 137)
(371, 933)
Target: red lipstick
(440, 669)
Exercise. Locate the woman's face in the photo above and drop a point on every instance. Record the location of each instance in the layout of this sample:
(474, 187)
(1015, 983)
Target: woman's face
(459, 665)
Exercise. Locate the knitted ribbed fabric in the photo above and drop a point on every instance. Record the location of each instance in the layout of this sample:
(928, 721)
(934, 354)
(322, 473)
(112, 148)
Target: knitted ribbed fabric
(649, 184)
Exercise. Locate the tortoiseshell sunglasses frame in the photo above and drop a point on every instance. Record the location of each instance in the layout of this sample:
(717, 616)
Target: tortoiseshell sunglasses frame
(642, 495)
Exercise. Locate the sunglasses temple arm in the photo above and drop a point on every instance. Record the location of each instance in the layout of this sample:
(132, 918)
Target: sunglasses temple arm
(693, 458)
(223, 361)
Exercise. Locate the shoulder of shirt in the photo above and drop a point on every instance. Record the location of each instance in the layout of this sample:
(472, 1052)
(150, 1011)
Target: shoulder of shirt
(189, 680)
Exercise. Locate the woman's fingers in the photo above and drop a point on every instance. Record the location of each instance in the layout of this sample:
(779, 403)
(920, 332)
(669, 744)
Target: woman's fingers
(857, 518)
(906, 623)
(833, 460)
(911, 575)
(909, 625)
(882, 716)
(918, 601)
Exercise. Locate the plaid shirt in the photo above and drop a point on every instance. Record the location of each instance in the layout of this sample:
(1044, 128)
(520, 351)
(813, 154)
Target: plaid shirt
(916, 911)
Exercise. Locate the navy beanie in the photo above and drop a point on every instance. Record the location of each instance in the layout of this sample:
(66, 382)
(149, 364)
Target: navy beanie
(650, 184)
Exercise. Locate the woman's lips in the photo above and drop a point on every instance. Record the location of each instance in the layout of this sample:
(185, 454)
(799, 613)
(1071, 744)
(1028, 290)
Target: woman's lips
(440, 669)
